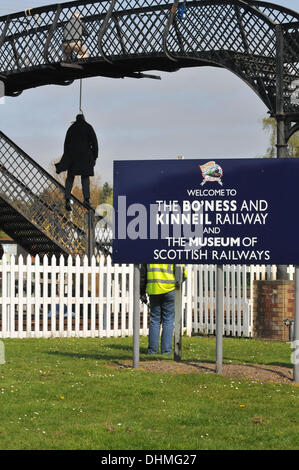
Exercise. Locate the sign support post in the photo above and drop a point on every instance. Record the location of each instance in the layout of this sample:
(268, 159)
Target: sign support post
(219, 317)
(136, 316)
(295, 339)
(178, 313)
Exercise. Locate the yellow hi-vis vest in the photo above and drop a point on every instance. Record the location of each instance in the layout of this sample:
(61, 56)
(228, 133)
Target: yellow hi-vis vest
(160, 278)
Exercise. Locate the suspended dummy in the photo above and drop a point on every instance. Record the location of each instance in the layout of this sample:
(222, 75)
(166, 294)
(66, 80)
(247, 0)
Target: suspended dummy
(79, 157)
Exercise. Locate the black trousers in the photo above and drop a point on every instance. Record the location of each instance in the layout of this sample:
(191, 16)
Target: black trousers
(69, 185)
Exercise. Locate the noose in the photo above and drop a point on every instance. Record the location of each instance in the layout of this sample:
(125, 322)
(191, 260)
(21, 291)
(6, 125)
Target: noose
(80, 97)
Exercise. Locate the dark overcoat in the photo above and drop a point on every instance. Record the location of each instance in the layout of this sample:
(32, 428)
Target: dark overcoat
(80, 149)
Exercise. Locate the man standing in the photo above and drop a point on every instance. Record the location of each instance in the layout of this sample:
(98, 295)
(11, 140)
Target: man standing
(79, 158)
(73, 33)
(158, 281)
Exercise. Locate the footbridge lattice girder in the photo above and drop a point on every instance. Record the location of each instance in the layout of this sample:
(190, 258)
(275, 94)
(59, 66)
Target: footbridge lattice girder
(127, 37)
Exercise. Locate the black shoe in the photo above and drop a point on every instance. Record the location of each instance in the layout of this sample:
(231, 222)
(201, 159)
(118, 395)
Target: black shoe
(68, 205)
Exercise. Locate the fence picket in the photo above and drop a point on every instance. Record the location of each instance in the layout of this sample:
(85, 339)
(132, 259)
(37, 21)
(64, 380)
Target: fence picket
(36, 296)
(20, 297)
(200, 300)
(101, 297)
(28, 295)
(108, 297)
(189, 287)
(5, 296)
(44, 295)
(93, 298)
(85, 295)
(69, 294)
(12, 298)
(77, 295)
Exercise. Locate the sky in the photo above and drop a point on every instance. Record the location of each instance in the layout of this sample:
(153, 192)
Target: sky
(200, 113)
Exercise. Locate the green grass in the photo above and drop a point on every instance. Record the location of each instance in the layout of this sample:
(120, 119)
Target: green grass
(68, 394)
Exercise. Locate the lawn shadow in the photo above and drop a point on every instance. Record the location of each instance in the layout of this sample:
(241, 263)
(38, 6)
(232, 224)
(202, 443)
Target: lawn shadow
(98, 356)
(201, 365)
(250, 363)
(95, 356)
(279, 373)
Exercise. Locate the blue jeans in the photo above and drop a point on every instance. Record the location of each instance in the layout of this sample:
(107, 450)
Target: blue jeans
(162, 311)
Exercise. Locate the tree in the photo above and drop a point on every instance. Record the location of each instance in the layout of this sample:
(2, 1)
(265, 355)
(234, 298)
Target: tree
(106, 194)
(269, 125)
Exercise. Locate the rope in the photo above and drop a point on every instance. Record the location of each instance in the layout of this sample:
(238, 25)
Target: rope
(80, 97)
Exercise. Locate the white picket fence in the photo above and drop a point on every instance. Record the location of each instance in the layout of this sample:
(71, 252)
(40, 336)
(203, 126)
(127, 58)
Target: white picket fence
(43, 298)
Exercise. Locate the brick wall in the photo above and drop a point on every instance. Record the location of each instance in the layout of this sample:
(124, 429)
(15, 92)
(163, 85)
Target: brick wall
(273, 302)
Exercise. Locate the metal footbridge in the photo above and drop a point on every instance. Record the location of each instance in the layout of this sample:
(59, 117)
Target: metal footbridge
(258, 41)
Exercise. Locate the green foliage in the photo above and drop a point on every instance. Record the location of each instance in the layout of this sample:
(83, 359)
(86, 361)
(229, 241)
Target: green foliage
(3, 234)
(269, 125)
(81, 393)
(106, 194)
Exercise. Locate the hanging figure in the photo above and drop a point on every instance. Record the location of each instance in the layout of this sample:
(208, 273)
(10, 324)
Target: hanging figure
(73, 35)
(79, 158)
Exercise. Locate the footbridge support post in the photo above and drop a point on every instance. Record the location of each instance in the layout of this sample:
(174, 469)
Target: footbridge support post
(281, 123)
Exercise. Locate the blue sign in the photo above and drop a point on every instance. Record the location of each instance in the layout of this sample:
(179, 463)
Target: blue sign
(230, 211)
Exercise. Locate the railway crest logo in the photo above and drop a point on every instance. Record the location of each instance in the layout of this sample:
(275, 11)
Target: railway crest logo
(211, 171)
